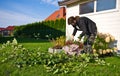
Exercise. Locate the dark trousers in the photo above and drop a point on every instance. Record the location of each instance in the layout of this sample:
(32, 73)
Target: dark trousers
(88, 42)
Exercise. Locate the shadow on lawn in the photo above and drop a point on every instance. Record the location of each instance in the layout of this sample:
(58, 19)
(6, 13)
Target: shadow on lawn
(31, 40)
(23, 40)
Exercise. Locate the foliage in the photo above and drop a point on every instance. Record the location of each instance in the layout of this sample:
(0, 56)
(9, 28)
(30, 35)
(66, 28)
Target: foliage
(0, 35)
(55, 63)
(5, 39)
(103, 44)
(59, 42)
(109, 68)
(43, 30)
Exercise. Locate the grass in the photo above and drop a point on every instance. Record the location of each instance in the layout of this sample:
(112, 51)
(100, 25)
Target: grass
(30, 43)
(8, 69)
(111, 70)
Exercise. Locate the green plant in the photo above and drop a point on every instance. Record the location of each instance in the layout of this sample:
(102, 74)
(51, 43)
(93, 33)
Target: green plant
(0, 35)
(103, 44)
(57, 63)
(103, 41)
(59, 42)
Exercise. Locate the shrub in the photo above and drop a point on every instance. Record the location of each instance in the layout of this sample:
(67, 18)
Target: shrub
(102, 44)
(0, 35)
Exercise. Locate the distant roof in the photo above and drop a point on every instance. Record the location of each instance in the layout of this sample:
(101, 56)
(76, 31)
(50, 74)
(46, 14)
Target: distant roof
(61, 13)
(2, 29)
(66, 2)
(10, 28)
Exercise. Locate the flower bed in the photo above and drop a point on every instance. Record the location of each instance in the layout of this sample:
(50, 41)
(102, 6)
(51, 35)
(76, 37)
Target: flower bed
(103, 45)
(73, 47)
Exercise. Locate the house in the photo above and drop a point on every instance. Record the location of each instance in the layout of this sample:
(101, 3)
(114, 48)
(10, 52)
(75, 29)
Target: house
(8, 31)
(106, 14)
(61, 13)
(1, 31)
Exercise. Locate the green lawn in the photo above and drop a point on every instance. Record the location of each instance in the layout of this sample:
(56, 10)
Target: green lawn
(32, 43)
(8, 69)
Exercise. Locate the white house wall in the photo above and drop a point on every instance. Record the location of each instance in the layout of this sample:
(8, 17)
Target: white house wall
(71, 11)
(107, 21)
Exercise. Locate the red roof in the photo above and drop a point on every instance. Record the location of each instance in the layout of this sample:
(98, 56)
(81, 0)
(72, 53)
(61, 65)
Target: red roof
(2, 29)
(10, 28)
(61, 13)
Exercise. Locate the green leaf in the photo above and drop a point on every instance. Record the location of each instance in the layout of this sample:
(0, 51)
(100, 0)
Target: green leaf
(56, 71)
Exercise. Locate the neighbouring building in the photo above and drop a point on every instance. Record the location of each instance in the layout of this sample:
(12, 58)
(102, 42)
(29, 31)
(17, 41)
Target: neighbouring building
(106, 14)
(1, 31)
(8, 31)
(61, 13)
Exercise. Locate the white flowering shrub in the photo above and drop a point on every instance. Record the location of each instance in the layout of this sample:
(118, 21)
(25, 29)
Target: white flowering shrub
(102, 44)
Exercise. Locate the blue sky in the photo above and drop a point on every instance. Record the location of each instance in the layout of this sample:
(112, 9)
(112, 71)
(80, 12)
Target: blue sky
(19, 12)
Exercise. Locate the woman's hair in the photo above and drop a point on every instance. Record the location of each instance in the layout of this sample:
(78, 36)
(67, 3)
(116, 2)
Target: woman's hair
(71, 20)
(77, 18)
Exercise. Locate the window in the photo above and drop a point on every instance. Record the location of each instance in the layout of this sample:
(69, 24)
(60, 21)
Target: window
(105, 5)
(87, 7)
(99, 5)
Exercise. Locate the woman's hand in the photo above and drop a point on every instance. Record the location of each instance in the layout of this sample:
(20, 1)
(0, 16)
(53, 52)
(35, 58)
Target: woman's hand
(72, 37)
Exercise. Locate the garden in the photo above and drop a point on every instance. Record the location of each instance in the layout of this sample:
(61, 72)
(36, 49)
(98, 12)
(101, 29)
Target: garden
(36, 54)
(32, 58)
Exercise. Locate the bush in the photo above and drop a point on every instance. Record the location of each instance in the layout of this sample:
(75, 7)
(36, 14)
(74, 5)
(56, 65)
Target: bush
(103, 44)
(5, 39)
(0, 35)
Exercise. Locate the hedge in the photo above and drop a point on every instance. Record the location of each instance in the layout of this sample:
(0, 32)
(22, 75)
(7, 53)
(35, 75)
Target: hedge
(43, 30)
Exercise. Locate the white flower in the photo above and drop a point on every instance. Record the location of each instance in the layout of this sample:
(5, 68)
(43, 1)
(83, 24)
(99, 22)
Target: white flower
(111, 50)
(115, 49)
(108, 50)
(14, 42)
(100, 51)
(107, 39)
(8, 43)
(104, 51)
(94, 50)
(112, 38)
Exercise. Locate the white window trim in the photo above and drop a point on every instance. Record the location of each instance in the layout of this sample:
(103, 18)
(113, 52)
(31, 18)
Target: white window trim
(104, 11)
(95, 6)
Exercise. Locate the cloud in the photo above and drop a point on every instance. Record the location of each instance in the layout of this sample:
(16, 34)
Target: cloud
(53, 2)
(14, 18)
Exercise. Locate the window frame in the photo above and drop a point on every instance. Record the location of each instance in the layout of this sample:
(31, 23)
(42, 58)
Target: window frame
(98, 12)
(84, 3)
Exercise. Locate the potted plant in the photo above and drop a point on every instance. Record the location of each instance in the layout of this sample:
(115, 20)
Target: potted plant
(58, 44)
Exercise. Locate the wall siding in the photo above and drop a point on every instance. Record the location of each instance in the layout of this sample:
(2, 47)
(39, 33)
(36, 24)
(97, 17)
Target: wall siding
(107, 21)
(71, 11)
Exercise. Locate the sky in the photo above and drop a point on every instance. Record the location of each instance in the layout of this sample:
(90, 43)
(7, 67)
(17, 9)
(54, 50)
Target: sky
(20, 12)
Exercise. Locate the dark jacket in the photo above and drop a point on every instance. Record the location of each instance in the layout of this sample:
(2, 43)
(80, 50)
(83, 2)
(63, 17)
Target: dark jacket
(85, 25)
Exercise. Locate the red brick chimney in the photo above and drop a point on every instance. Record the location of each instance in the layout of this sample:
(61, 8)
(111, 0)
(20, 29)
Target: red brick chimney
(62, 12)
